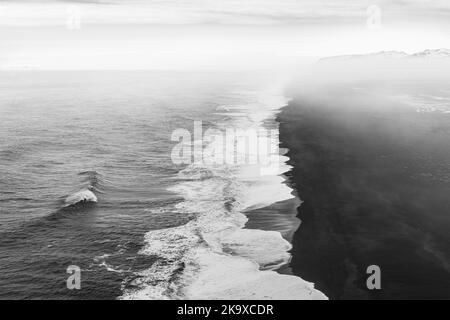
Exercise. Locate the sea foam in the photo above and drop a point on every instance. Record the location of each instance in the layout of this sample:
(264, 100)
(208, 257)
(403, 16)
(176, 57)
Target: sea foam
(81, 196)
(213, 256)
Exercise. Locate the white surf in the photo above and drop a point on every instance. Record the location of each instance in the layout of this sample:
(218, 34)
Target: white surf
(213, 256)
(81, 196)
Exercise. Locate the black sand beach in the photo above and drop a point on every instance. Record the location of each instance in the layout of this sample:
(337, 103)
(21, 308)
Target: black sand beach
(374, 178)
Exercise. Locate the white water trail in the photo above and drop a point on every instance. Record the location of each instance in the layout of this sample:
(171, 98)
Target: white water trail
(213, 256)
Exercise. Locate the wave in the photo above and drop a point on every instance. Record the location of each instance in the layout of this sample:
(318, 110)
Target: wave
(82, 196)
(92, 182)
(213, 256)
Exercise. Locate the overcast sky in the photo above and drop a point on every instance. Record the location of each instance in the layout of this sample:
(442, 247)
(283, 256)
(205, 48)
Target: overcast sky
(197, 34)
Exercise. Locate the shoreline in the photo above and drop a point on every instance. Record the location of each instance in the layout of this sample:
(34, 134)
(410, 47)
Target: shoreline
(257, 254)
(365, 198)
(216, 255)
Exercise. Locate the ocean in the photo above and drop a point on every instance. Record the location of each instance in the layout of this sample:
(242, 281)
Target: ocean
(159, 229)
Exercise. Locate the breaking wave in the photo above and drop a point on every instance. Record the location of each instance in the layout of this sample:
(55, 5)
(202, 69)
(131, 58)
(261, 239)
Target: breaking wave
(91, 183)
(213, 256)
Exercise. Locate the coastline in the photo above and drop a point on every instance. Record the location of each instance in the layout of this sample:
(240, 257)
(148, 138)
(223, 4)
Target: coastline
(215, 255)
(364, 201)
(256, 255)
(281, 217)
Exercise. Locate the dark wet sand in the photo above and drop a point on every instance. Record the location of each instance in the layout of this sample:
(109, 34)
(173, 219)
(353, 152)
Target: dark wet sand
(375, 181)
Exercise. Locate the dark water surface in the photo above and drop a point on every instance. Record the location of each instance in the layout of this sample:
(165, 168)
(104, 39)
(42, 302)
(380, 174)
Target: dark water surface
(61, 132)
